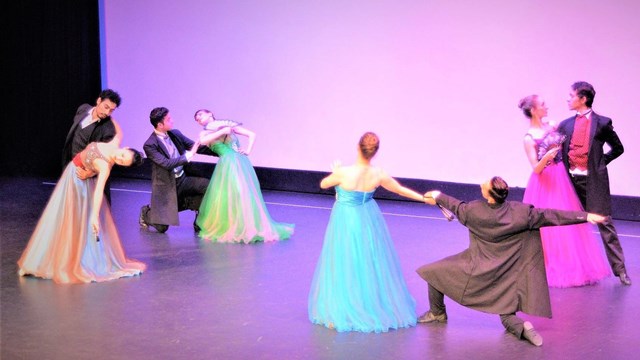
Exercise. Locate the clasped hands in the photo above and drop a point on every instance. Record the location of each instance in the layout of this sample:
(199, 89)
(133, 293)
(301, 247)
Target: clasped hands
(191, 152)
(595, 218)
(430, 197)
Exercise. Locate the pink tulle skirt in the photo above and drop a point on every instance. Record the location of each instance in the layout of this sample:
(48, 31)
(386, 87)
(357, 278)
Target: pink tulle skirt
(63, 247)
(573, 254)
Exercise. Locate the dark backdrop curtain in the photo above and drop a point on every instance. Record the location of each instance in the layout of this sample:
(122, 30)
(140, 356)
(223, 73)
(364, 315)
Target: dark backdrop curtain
(51, 66)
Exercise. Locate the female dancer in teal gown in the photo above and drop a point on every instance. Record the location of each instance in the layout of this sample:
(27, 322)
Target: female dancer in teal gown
(358, 284)
(232, 209)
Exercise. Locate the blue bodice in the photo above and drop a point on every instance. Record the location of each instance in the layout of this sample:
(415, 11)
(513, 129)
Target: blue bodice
(352, 197)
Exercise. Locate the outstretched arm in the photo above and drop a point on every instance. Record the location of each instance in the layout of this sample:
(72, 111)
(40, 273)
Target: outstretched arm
(595, 218)
(551, 217)
(393, 185)
(335, 178)
(158, 156)
(103, 174)
(430, 198)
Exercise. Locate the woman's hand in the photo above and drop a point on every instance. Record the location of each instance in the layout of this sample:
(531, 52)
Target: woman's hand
(191, 152)
(95, 223)
(336, 165)
(430, 197)
(550, 155)
(84, 174)
(595, 218)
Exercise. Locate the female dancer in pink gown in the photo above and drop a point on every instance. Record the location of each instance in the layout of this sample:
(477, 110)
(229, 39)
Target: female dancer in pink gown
(76, 240)
(572, 254)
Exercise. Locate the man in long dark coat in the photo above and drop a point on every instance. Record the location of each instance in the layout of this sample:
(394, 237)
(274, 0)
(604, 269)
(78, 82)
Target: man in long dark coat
(502, 271)
(173, 189)
(586, 161)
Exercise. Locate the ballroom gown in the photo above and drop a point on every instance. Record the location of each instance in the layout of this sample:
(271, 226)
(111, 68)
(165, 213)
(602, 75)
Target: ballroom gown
(573, 255)
(63, 247)
(232, 209)
(358, 283)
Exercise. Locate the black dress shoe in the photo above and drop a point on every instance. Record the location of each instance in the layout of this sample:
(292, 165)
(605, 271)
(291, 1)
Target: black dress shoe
(143, 213)
(196, 228)
(429, 317)
(160, 228)
(624, 279)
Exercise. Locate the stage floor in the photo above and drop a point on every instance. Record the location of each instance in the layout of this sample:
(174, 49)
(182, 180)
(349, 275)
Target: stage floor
(199, 300)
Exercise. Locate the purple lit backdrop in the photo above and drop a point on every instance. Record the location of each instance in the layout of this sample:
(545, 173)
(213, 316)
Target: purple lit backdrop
(439, 81)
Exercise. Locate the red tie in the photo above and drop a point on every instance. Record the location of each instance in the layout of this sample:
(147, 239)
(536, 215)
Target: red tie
(579, 145)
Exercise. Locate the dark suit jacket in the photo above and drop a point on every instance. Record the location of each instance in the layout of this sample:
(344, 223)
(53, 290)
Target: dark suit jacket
(164, 195)
(598, 193)
(104, 131)
(503, 270)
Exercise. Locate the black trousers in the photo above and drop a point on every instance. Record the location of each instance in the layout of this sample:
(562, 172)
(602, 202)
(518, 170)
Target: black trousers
(511, 322)
(191, 187)
(608, 232)
(190, 191)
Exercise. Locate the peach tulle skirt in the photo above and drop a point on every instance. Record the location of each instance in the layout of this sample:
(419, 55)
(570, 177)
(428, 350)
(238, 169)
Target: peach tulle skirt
(63, 247)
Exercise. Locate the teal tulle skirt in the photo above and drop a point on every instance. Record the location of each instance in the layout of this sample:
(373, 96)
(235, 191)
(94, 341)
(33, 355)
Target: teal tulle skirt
(358, 284)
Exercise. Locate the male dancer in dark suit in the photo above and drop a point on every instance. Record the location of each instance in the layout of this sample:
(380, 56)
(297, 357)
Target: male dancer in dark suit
(91, 124)
(172, 189)
(584, 157)
(503, 270)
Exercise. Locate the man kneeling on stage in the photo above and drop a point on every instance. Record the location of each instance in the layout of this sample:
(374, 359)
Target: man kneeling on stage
(503, 270)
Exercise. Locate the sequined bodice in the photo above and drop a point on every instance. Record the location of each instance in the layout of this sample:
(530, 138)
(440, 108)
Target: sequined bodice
(91, 153)
(352, 197)
(547, 141)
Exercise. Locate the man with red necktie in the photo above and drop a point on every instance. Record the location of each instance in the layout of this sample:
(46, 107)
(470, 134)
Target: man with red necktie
(584, 157)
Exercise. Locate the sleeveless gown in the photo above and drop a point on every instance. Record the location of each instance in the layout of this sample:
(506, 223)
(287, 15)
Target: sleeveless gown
(572, 254)
(232, 209)
(63, 247)
(358, 283)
